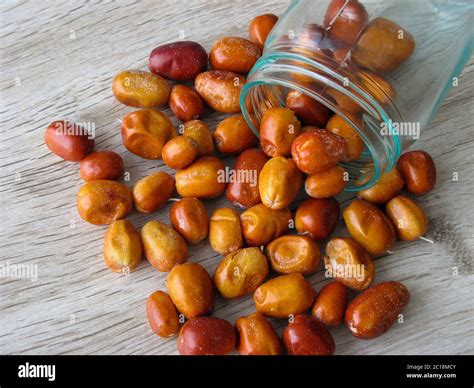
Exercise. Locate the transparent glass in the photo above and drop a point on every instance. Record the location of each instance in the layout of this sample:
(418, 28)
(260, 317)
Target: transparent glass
(388, 100)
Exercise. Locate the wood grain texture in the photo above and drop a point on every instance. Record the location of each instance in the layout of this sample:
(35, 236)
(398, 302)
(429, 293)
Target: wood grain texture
(57, 61)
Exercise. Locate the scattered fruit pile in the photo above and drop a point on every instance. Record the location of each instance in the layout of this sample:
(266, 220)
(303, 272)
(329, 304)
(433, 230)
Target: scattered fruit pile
(257, 241)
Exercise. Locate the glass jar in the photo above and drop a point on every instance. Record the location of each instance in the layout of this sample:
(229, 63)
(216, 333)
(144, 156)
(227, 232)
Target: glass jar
(383, 66)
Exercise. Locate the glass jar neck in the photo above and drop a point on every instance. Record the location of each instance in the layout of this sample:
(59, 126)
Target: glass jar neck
(343, 91)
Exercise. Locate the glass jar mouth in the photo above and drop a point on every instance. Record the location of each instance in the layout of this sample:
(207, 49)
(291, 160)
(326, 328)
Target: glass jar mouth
(270, 76)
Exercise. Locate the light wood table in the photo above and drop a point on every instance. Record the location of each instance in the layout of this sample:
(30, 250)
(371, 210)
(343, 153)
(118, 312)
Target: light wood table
(57, 61)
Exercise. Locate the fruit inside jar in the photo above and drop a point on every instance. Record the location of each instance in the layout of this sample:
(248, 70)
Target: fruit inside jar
(366, 71)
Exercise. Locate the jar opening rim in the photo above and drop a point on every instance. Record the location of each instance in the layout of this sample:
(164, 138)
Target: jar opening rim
(382, 155)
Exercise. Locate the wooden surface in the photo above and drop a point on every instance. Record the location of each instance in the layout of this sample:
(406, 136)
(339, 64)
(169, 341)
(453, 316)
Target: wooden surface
(58, 61)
